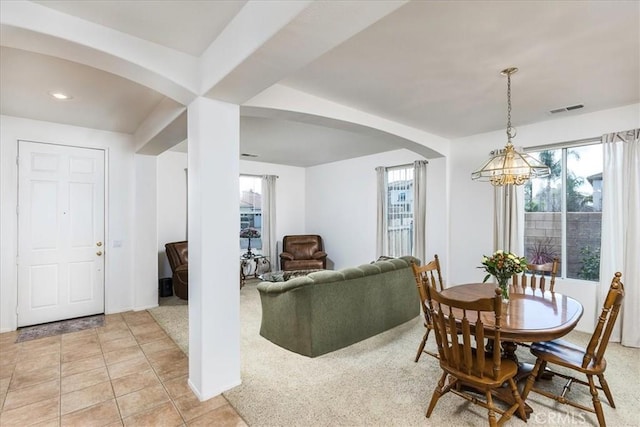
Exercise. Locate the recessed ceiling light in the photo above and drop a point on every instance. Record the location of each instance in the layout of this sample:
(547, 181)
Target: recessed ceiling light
(61, 96)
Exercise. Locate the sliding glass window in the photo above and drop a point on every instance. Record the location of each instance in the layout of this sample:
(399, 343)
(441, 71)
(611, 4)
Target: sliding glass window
(563, 212)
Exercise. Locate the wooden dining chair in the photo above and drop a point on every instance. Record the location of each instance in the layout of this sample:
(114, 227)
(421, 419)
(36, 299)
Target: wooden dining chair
(466, 366)
(427, 275)
(535, 277)
(589, 361)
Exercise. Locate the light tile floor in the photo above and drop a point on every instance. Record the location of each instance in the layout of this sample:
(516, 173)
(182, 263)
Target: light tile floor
(128, 372)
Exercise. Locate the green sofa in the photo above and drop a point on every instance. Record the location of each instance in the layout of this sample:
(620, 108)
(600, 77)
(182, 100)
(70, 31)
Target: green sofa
(328, 310)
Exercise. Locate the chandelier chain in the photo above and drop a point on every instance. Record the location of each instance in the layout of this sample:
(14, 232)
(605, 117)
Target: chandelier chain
(510, 133)
(508, 166)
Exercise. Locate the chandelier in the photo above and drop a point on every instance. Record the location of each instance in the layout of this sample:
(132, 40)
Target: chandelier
(508, 166)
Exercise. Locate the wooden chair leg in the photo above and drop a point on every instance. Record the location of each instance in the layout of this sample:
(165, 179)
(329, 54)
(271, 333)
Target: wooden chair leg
(596, 401)
(516, 395)
(492, 413)
(532, 379)
(541, 371)
(422, 344)
(436, 394)
(605, 388)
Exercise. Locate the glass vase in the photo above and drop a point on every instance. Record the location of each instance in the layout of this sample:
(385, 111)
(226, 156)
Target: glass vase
(504, 288)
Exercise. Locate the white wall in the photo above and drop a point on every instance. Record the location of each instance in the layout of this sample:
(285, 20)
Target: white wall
(341, 205)
(145, 234)
(119, 261)
(172, 200)
(171, 204)
(471, 220)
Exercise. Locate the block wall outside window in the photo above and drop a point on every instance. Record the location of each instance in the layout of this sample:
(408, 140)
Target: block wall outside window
(563, 212)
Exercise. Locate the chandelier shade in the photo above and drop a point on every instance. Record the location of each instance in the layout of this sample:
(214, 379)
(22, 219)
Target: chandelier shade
(509, 166)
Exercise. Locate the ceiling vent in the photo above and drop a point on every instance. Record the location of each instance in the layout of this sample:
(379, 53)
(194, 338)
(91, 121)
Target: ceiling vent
(248, 155)
(565, 109)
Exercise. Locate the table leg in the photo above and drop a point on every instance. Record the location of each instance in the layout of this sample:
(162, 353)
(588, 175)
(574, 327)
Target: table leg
(243, 277)
(509, 350)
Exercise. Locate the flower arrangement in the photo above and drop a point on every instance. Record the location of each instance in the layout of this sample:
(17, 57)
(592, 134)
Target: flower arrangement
(503, 265)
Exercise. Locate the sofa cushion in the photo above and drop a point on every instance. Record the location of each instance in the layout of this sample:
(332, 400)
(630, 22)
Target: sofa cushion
(385, 266)
(352, 273)
(369, 269)
(399, 263)
(326, 276)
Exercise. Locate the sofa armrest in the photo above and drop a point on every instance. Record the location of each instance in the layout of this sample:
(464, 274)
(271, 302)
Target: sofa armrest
(182, 270)
(286, 255)
(319, 255)
(411, 259)
(181, 273)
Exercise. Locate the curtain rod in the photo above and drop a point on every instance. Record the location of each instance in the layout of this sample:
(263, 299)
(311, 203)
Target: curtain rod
(257, 176)
(574, 143)
(406, 165)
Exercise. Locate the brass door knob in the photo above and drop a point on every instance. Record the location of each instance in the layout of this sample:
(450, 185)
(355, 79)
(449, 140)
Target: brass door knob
(99, 253)
(99, 244)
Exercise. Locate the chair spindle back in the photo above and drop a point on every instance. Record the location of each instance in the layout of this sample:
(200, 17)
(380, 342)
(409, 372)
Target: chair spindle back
(535, 277)
(600, 338)
(455, 320)
(427, 275)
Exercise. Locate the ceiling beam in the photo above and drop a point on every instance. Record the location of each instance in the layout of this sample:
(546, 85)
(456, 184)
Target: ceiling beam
(165, 127)
(268, 41)
(284, 102)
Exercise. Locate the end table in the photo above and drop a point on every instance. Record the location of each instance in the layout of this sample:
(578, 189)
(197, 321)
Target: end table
(253, 265)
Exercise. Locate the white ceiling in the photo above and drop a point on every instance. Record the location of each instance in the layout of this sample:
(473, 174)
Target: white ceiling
(185, 25)
(430, 65)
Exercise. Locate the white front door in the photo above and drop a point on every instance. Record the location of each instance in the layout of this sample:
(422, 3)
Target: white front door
(60, 232)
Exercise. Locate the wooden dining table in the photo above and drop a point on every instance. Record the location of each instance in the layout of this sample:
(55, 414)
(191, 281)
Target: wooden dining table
(529, 316)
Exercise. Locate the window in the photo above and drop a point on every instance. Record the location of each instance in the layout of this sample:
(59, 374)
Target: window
(399, 210)
(563, 212)
(251, 208)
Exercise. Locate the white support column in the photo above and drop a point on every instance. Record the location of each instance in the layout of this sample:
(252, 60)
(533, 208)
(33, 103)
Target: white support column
(214, 295)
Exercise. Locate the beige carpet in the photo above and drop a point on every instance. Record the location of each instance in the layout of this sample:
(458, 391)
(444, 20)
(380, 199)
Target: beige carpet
(376, 383)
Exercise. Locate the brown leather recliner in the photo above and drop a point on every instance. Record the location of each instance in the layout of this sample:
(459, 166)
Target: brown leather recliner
(303, 252)
(178, 255)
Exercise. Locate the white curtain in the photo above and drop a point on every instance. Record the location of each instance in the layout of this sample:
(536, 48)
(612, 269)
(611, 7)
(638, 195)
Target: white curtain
(419, 209)
(381, 225)
(269, 238)
(508, 227)
(620, 247)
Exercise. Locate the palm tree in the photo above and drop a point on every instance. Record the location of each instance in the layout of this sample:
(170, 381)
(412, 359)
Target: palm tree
(548, 158)
(548, 200)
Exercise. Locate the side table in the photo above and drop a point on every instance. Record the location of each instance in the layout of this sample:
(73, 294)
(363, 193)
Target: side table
(253, 266)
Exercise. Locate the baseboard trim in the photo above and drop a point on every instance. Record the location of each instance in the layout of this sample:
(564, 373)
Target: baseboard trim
(145, 307)
(202, 398)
